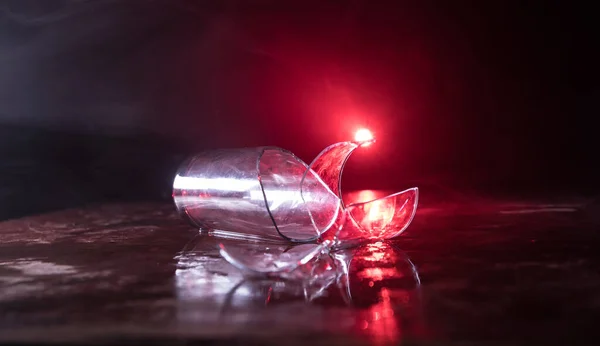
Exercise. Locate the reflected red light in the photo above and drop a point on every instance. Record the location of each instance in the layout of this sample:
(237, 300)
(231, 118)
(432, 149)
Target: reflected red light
(363, 135)
(364, 196)
(377, 215)
(385, 282)
(379, 322)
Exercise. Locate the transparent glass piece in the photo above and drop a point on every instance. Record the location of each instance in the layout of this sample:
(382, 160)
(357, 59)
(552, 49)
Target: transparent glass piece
(253, 193)
(327, 168)
(382, 218)
(329, 164)
(281, 176)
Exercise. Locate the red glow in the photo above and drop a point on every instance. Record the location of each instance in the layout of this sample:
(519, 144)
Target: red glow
(377, 215)
(363, 135)
(378, 322)
(383, 280)
(364, 196)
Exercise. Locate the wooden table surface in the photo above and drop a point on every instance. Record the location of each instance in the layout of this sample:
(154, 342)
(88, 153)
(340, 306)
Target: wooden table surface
(507, 272)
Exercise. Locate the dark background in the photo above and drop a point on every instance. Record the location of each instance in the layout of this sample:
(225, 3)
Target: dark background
(101, 100)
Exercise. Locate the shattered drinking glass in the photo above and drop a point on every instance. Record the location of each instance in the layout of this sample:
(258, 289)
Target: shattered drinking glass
(269, 194)
(254, 193)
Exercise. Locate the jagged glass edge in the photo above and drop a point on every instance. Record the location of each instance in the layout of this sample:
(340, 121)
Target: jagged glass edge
(351, 206)
(342, 165)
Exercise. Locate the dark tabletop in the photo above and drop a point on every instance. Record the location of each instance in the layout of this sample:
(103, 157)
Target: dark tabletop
(499, 271)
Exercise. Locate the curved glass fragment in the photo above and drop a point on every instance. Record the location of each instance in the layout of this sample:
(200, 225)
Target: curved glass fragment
(382, 218)
(327, 168)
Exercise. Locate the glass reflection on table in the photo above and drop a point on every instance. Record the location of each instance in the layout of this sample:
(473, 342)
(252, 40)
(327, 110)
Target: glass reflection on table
(377, 281)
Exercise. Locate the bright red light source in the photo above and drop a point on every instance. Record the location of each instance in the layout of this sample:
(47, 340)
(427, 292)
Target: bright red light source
(363, 135)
